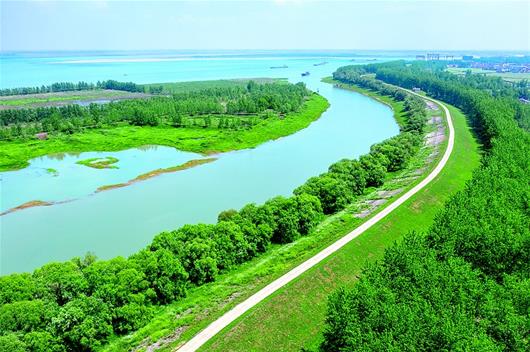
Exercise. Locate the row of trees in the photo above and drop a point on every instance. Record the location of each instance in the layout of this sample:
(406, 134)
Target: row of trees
(69, 86)
(347, 179)
(211, 106)
(465, 284)
(78, 305)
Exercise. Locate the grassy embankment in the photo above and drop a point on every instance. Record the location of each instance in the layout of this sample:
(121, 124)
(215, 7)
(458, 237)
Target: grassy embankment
(15, 155)
(293, 317)
(181, 320)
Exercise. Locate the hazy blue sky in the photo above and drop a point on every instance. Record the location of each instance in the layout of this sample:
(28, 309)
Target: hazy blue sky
(423, 25)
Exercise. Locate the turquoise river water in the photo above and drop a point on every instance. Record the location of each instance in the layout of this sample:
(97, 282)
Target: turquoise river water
(122, 221)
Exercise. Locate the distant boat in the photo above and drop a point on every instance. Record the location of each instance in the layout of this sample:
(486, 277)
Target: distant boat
(320, 63)
(305, 73)
(283, 66)
(352, 60)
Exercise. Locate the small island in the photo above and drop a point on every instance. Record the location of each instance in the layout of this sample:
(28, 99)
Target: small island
(100, 163)
(187, 165)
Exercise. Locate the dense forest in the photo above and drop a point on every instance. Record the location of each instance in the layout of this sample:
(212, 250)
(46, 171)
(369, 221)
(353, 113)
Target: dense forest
(226, 108)
(68, 86)
(465, 284)
(80, 304)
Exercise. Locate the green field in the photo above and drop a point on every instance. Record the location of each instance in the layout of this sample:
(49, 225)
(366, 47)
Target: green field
(507, 76)
(293, 317)
(15, 155)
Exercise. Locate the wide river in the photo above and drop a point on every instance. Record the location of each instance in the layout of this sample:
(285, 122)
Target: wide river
(122, 221)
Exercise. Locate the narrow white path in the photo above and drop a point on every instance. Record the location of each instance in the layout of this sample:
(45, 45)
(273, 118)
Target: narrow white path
(211, 330)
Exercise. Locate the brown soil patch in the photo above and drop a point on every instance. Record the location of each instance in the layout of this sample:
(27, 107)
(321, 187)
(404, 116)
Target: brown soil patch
(30, 204)
(157, 172)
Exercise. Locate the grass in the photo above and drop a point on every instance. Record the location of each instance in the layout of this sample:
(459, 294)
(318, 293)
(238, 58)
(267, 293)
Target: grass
(187, 165)
(16, 154)
(507, 76)
(100, 163)
(294, 316)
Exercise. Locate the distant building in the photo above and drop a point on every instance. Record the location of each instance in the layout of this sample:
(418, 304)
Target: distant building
(467, 57)
(433, 56)
(42, 135)
(416, 89)
(420, 57)
(524, 101)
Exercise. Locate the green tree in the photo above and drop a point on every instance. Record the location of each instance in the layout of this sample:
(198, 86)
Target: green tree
(60, 282)
(333, 193)
(84, 323)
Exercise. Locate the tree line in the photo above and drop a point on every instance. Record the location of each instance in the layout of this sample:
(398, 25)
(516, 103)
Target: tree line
(78, 305)
(69, 86)
(225, 108)
(465, 283)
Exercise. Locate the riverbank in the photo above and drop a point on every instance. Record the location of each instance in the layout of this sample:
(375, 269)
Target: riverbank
(302, 318)
(205, 303)
(16, 155)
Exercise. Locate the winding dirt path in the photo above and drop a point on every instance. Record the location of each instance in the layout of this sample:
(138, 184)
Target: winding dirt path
(211, 330)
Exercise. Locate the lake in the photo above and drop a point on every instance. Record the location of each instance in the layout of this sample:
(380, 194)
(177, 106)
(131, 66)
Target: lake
(122, 221)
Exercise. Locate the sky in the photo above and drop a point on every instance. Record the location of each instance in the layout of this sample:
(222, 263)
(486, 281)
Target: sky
(296, 24)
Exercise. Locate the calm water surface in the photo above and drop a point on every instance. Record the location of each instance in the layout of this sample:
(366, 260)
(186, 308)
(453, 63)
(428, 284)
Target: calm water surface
(121, 221)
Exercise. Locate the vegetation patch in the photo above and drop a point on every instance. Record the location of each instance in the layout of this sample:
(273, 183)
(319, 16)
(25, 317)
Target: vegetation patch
(106, 162)
(207, 121)
(187, 165)
(52, 171)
